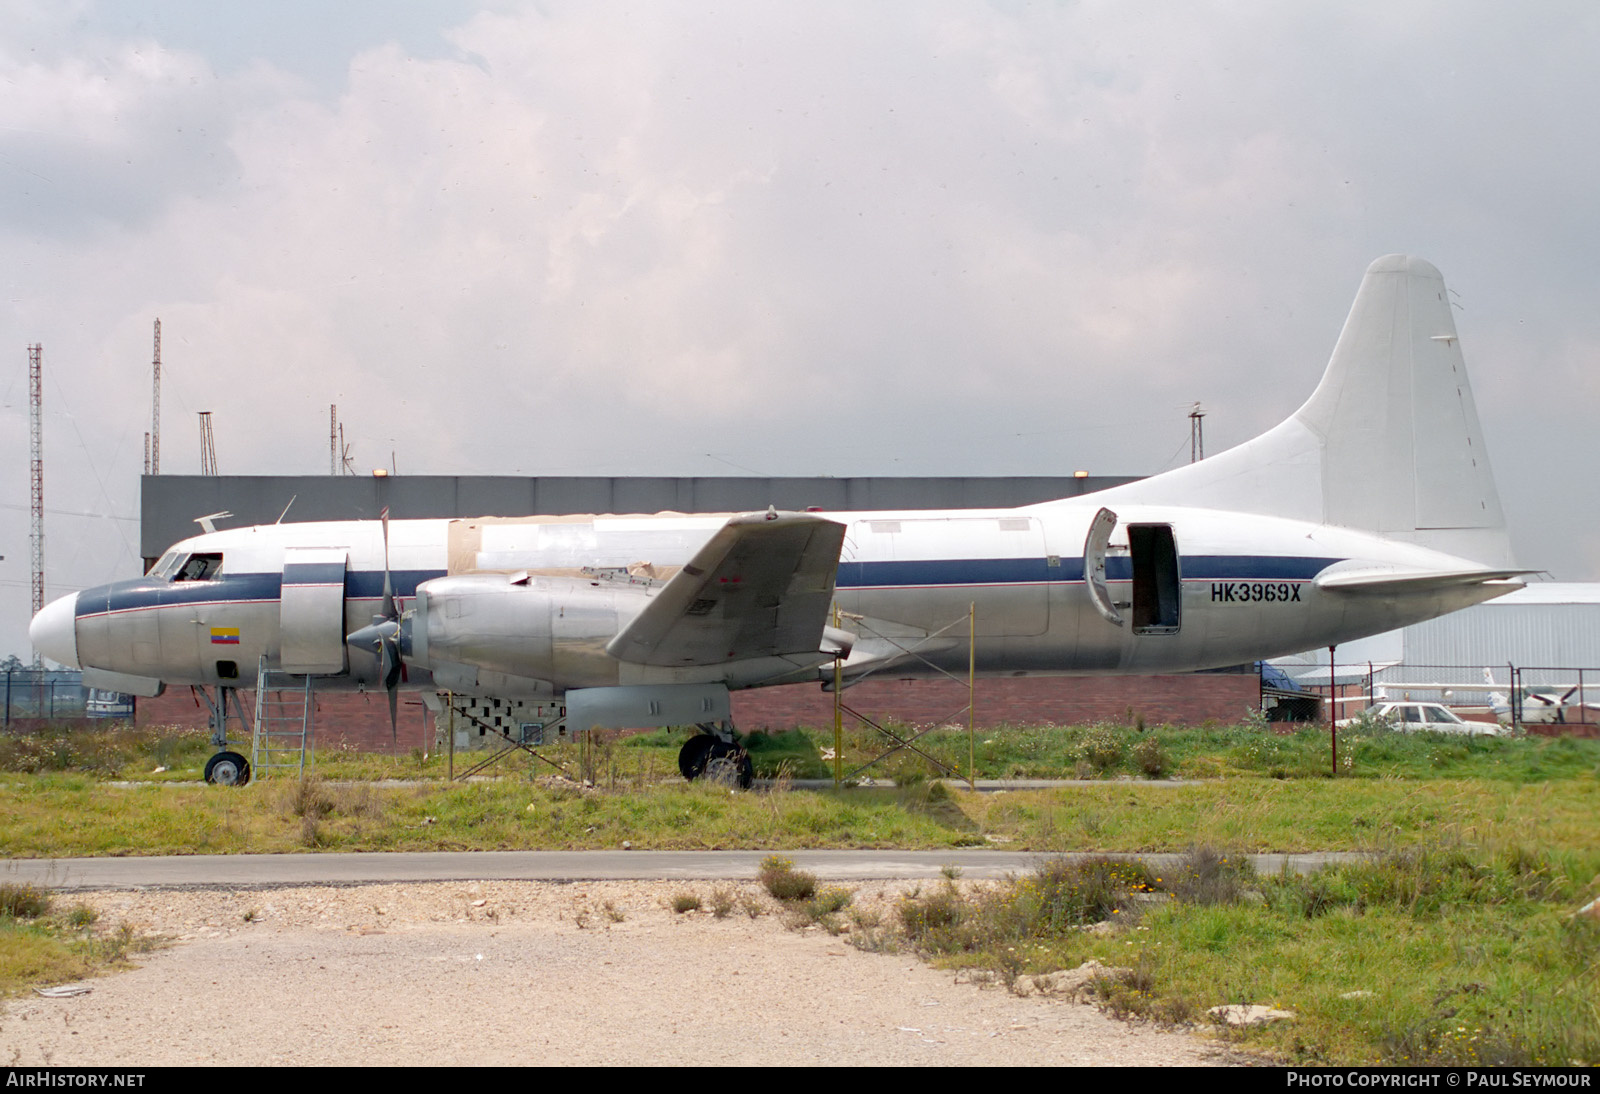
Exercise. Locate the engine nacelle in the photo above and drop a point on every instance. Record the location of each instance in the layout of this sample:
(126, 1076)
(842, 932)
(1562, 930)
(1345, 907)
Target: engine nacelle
(551, 629)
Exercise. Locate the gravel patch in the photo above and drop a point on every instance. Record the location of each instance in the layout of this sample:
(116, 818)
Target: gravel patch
(522, 972)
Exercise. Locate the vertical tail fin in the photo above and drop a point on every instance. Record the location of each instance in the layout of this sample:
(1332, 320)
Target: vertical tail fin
(1389, 442)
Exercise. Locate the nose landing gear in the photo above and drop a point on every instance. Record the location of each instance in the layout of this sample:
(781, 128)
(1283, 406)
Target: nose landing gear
(228, 769)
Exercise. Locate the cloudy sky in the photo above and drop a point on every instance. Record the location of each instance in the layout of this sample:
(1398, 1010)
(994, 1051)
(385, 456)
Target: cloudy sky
(777, 238)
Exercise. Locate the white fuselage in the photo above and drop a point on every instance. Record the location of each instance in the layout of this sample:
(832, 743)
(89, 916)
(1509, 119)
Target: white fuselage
(1230, 588)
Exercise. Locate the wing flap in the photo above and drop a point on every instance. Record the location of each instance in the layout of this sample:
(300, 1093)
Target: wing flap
(760, 587)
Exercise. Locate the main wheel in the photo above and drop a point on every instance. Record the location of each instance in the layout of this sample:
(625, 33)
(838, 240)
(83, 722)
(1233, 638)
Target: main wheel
(729, 764)
(692, 756)
(228, 769)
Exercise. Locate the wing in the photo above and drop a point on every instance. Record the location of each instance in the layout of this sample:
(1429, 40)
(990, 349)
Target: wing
(760, 587)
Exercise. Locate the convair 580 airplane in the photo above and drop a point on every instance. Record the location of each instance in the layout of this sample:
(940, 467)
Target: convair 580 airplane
(1371, 507)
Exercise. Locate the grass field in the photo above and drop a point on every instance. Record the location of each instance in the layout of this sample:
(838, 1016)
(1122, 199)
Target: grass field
(1455, 943)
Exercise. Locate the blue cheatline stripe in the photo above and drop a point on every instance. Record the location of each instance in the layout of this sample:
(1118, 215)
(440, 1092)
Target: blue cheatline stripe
(125, 596)
(313, 573)
(1012, 571)
(976, 571)
(368, 584)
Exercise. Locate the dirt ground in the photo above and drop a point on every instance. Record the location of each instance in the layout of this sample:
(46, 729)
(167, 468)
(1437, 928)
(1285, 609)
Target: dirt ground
(538, 973)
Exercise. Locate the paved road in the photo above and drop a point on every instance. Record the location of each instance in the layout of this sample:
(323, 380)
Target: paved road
(249, 871)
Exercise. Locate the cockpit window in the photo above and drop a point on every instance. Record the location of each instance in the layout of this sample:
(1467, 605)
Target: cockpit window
(168, 565)
(199, 568)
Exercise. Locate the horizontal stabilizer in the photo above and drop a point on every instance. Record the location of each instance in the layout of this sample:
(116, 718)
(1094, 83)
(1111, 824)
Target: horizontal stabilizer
(1385, 581)
(761, 587)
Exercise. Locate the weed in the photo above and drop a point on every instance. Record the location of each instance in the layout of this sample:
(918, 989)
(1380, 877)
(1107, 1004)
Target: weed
(614, 913)
(933, 919)
(1207, 876)
(311, 833)
(828, 901)
(686, 902)
(722, 901)
(1133, 994)
(80, 916)
(1101, 749)
(1151, 757)
(784, 882)
(20, 900)
(307, 797)
(1061, 895)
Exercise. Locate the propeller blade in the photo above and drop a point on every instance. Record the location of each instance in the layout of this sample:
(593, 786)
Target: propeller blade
(390, 666)
(388, 586)
(382, 637)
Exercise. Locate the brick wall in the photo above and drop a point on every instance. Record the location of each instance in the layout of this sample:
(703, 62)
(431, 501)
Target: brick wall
(1064, 700)
(341, 718)
(362, 721)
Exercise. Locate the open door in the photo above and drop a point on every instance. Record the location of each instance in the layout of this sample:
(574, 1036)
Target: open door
(1157, 584)
(311, 625)
(1094, 565)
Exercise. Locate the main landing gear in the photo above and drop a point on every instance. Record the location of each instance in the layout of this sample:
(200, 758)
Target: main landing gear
(714, 754)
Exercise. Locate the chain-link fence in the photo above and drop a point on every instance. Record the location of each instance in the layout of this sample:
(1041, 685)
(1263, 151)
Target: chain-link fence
(57, 695)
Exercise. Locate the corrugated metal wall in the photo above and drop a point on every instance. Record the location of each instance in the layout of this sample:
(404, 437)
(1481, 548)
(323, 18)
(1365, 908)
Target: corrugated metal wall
(1521, 634)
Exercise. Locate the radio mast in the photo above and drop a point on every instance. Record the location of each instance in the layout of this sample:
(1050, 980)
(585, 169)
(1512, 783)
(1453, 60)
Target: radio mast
(36, 445)
(155, 407)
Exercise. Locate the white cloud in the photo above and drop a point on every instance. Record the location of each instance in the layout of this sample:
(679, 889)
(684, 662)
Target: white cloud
(918, 238)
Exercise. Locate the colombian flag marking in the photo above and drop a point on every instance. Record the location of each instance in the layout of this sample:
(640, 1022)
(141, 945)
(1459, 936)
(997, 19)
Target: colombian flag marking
(224, 636)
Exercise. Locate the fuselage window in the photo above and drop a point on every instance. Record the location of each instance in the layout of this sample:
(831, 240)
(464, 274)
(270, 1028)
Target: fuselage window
(199, 568)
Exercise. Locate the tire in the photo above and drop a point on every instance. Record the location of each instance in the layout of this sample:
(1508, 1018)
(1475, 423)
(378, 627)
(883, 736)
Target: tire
(693, 755)
(228, 769)
(729, 764)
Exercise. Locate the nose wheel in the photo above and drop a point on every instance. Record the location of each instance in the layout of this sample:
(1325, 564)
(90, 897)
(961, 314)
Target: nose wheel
(228, 769)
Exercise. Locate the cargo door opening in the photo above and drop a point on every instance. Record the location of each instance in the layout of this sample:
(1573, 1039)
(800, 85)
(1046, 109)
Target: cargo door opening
(1157, 584)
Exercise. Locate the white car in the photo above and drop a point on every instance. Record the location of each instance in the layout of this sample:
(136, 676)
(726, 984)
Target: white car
(1424, 717)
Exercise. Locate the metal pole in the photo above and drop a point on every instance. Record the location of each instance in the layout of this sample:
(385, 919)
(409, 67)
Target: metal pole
(838, 714)
(450, 729)
(972, 672)
(1333, 710)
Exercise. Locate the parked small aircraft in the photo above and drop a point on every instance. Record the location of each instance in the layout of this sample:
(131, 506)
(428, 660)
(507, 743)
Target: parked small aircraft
(1539, 705)
(1371, 507)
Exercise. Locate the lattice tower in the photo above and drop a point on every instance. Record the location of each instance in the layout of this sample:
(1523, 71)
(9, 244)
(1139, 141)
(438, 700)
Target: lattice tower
(36, 447)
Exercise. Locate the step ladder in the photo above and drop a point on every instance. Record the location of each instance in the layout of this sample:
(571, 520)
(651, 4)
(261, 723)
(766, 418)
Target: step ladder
(283, 723)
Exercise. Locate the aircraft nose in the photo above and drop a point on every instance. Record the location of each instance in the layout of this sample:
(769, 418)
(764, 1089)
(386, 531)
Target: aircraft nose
(54, 631)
